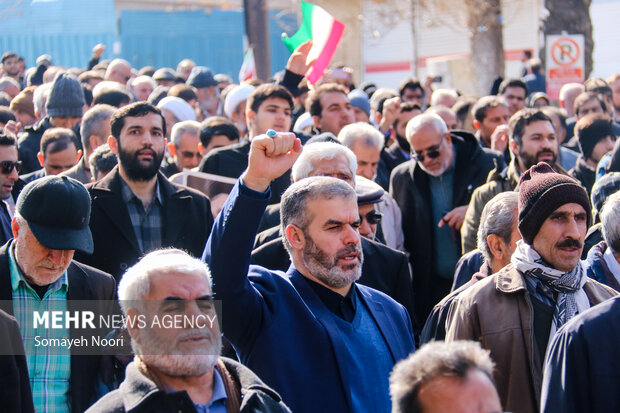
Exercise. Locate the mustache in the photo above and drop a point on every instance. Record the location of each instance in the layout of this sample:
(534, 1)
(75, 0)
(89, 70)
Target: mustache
(569, 242)
(348, 250)
(544, 151)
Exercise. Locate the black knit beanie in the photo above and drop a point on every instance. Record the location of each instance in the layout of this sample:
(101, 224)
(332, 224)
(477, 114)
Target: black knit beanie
(66, 97)
(591, 129)
(542, 191)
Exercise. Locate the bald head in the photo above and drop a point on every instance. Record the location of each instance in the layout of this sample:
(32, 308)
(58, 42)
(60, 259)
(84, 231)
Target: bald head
(431, 143)
(119, 70)
(568, 93)
(447, 114)
(431, 121)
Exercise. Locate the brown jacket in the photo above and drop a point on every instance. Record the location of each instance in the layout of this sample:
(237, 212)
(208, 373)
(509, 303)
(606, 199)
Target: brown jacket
(497, 312)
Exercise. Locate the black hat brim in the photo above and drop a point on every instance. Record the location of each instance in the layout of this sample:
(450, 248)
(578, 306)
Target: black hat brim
(63, 238)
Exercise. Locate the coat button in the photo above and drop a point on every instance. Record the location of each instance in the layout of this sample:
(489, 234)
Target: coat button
(123, 266)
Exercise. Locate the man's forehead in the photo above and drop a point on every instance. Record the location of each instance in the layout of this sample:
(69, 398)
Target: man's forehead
(571, 208)
(332, 97)
(538, 126)
(150, 119)
(183, 285)
(279, 102)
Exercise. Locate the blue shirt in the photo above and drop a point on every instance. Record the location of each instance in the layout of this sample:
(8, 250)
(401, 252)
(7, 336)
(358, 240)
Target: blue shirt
(218, 399)
(445, 239)
(49, 365)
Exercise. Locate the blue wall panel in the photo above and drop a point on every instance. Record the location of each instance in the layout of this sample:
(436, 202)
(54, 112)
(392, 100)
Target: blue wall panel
(68, 29)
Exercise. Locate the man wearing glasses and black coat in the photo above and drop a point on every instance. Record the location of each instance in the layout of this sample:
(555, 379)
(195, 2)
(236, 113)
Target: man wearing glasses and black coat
(433, 190)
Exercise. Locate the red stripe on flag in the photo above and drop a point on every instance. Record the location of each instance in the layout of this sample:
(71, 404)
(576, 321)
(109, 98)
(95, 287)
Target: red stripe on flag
(322, 62)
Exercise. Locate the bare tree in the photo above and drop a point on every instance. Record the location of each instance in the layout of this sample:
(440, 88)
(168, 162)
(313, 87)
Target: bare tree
(572, 17)
(483, 22)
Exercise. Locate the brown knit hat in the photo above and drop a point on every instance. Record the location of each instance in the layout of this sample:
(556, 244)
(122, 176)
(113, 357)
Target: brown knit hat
(542, 191)
(23, 101)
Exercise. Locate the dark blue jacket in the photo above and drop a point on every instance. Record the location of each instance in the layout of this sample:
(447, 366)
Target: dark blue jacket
(596, 267)
(278, 324)
(582, 369)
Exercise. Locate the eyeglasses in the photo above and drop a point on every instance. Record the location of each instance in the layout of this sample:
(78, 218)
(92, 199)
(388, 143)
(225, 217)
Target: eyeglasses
(6, 167)
(432, 153)
(373, 217)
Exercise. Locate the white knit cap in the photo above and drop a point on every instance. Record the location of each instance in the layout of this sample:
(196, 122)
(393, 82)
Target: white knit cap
(237, 95)
(179, 108)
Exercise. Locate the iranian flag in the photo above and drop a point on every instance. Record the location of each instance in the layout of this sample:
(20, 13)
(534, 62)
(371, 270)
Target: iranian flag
(248, 67)
(324, 31)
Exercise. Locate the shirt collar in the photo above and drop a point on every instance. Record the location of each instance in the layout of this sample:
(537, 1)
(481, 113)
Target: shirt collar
(127, 194)
(17, 277)
(343, 307)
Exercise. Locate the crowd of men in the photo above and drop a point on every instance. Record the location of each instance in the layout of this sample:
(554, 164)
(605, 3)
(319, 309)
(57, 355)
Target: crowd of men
(364, 223)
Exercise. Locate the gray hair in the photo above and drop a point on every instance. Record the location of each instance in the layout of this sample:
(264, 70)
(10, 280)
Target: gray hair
(187, 126)
(303, 167)
(361, 131)
(5, 81)
(143, 79)
(440, 93)
(296, 197)
(610, 222)
(497, 218)
(431, 361)
(420, 121)
(92, 123)
(136, 282)
(102, 160)
(39, 98)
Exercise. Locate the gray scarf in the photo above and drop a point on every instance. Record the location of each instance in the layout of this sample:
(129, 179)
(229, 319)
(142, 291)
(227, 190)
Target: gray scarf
(565, 284)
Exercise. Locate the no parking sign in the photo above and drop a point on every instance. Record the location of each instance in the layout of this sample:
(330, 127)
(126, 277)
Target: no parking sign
(565, 62)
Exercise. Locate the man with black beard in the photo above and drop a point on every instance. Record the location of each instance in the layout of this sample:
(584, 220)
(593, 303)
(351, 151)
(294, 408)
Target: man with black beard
(532, 139)
(178, 367)
(400, 151)
(135, 208)
(324, 342)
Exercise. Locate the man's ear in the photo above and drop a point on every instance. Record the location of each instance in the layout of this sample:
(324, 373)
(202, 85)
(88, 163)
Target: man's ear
(316, 121)
(250, 117)
(514, 148)
(496, 247)
(113, 144)
(14, 227)
(41, 159)
(172, 149)
(477, 124)
(79, 155)
(295, 237)
(201, 149)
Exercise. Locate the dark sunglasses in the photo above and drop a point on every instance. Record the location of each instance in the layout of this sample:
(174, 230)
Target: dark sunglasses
(431, 153)
(7, 166)
(373, 217)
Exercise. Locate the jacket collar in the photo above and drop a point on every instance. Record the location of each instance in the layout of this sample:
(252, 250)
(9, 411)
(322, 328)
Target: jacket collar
(509, 280)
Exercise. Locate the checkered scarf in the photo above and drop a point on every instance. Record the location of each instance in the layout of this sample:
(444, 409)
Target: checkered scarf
(565, 284)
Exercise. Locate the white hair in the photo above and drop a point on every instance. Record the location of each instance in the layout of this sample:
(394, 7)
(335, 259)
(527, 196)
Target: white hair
(180, 128)
(610, 219)
(39, 98)
(136, 282)
(442, 93)
(420, 121)
(144, 79)
(361, 131)
(303, 167)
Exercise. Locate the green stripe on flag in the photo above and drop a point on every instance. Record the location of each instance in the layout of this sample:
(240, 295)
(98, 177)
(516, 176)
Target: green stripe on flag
(304, 33)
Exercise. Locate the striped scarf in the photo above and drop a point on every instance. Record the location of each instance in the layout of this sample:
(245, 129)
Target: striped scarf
(565, 284)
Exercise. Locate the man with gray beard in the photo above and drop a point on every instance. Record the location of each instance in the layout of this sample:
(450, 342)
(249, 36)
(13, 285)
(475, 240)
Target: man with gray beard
(324, 342)
(179, 368)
